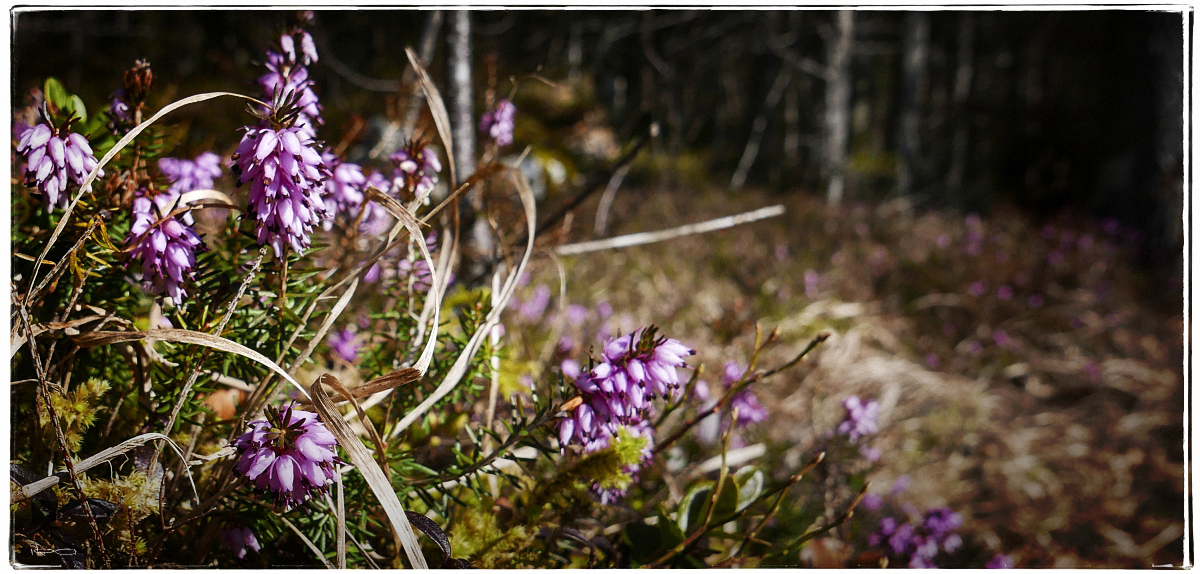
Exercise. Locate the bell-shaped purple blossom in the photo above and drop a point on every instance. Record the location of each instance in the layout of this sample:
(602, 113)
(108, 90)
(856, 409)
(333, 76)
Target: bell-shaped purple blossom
(499, 123)
(191, 174)
(55, 157)
(862, 419)
(287, 179)
(289, 455)
(416, 170)
(163, 246)
(118, 109)
(240, 538)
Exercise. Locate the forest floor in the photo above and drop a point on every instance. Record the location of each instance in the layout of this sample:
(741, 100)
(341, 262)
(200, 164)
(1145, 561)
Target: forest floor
(1029, 372)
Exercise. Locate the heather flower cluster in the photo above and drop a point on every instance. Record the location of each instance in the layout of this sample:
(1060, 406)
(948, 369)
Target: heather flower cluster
(287, 77)
(617, 392)
(920, 544)
(499, 123)
(290, 454)
(163, 245)
(345, 188)
(55, 157)
(188, 175)
(862, 419)
(287, 179)
(416, 170)
(344, 344)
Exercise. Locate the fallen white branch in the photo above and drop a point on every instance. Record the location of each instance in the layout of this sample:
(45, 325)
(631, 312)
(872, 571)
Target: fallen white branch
(672, 233)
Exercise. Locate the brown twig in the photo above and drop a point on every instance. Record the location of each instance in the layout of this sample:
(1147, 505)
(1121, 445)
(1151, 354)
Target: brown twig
(44, 395)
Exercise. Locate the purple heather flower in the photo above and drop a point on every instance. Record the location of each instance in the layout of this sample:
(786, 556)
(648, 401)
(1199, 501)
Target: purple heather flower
(118, 110)
(54, 157)
(748, 408)
(163, 246)
(290, 454)
(872, 501)
(287, 178)
(975, 348)
(1004, 292)
(617, 392)
(533, 309)
(576, 314)
(977, 289)
(344, 344)
(862, 419)
(900, 485)
(1000, 336)
(188, 175)
(288, 76)
(1055, 257)
(1093, 371)
(870, 453)
(416, 170)
(239, 538)
(345, 187)
(570, 368)
(1036, 301)
(933, 360)
(943, 241)
(1000, 561)
(498, 123)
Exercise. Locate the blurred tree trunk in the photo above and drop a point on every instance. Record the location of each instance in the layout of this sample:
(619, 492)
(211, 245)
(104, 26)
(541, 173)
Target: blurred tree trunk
(963, 76)
(760, 126)
(838, 94)
(915, 71)
(462, 95)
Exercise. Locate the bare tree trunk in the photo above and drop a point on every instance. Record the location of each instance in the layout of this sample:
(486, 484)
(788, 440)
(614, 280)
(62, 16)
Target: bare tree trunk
(915, 72)
(963, 76)
(838, 93)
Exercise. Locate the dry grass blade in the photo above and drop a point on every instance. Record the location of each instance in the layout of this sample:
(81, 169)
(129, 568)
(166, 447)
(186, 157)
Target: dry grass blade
(499, 303)
(319, 336)
(103, 456)
(219, 197)
(433, 297)
(96, 338)
(437, 108)
(672, 233)
(380, 448)
(341, 522)
(308, 543)
(386, 382)
(66, 216)
(371, 471)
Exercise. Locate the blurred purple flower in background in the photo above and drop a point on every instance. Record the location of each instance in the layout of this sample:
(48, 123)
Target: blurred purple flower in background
(290, 454)
(416, 169)
(977, 289)
(239, 538)
(1004, 292)
(862, 419)
(749, 410)
(1000, 336)
(1036, 301)
(344, 344)
(191, 174)
(811, 281)
(499, 123)
(1000, 561)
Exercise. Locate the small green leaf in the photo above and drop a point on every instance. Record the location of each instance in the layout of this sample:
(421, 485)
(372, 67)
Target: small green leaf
(750, 485)
(55, 93)
(76, 107)
(694, 508)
